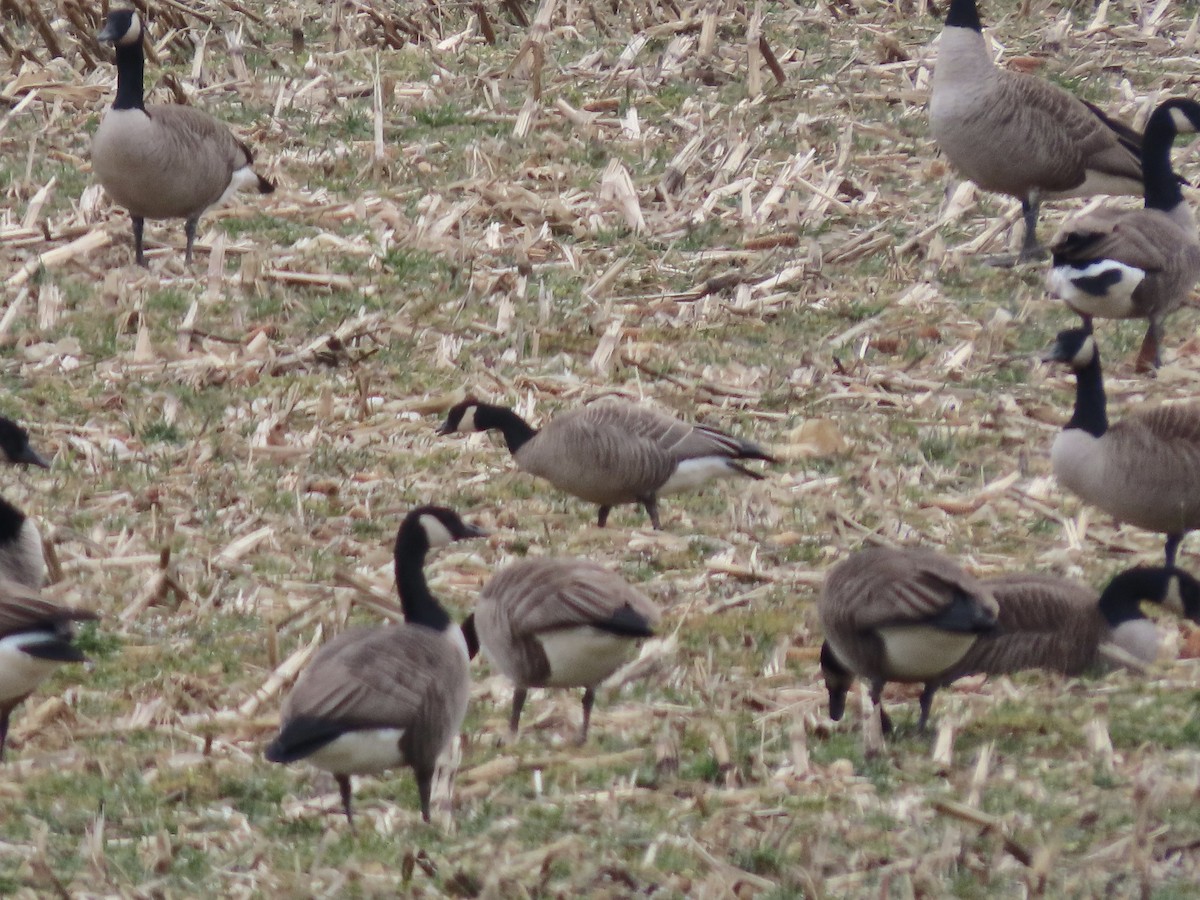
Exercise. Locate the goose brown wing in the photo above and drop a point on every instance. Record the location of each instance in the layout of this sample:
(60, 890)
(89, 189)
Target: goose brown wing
(23, 609)
(1145, 239)
(880, 586)
(540, 595)
(1071, 137)
(378, 677)
(599, 453)
(1043, 622)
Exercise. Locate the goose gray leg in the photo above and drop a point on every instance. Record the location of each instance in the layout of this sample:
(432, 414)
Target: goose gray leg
(1173, 542)
(651, 504)
(518, 703)
(885, 720)
(139, 229)
(425, 789)
(4, 730)
(602, 519)
(589, 699)
(1149, 357)
(189, 228)
(926, 704)
(343, 782)
(1031, 250)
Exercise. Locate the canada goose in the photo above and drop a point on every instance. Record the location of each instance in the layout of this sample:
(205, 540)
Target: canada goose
(21, 556)
(376, 698)
(612, 452)
(559, 623)
(35, 638)
(1141, 263)
(1054, 623)
(1145, 469)
(163, 161)
(906, 615)
(1017, 134)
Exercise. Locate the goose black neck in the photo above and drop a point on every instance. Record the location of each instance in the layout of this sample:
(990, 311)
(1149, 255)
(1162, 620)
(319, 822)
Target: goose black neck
(963, 14)
(11, 522)
(1090, 413)
(1121, 600)
(419, 605)
(131, 63)
(1161, 185)
(517, 432)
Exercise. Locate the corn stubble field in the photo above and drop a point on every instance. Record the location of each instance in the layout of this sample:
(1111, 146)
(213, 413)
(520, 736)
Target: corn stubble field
(639, 199)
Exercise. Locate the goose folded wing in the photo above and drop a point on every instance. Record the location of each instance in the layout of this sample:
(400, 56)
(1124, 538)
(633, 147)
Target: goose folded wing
(555, 596)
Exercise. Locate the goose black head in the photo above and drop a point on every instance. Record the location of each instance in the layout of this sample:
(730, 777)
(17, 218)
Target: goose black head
(123, 27)
(14, 441)
(1075, 346)
(461, 417)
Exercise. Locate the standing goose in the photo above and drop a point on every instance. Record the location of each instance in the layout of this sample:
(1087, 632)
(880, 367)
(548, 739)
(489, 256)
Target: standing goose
(1141, 263)
(559, 623)
(376, 698)
(163, 161)
(21, 556)
(907, 615)
(1053, 623)
(35, 639)
(1145, 469)
(613, 452)
(1017, 134)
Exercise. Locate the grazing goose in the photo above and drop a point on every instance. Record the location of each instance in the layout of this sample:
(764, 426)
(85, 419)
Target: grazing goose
(1140, 263)
(21, 557)
(613, 452)
(1017, 134)
(907, 615)
(163, 161)
(1145, 469)
(559, 623)
(1053, 623)
(35, 639)
(376, 698)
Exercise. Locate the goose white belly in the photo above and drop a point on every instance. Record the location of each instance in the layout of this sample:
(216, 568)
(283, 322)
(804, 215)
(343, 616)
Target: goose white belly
(362, 752)
(691, 473)
(20, 673)
(1139, 637)
(583, 656)
(920, 652)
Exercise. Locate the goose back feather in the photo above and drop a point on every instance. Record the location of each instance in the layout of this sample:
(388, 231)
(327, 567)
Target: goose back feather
(35, 639)
(560, 623)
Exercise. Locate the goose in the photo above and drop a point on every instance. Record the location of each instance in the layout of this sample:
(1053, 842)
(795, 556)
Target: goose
(376, 698)
(612, 452)
(558, 623)
(1020, 135)
(163, 161)
(35, 639)
(1145, 469)
(898, 614)
(21, 556)
(1046, 622)
(1140, 263)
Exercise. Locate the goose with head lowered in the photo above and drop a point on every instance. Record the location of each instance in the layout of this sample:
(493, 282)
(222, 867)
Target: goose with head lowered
(21, 556)
(1016, 134)
(376, 698)
(35, 639)
(1119, 263)
(1052, 623)
(163, 161)
(612, 452)
(898, 614)
(559, 623)
(1144, 469)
